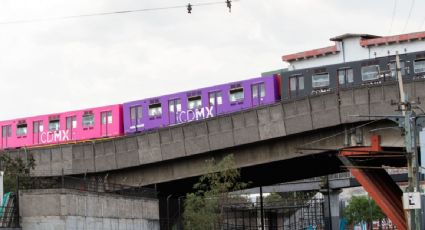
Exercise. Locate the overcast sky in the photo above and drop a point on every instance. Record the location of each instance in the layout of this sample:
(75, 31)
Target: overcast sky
(60, 65)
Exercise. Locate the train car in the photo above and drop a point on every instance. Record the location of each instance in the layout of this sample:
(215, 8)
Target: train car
(199, 104)
(322, 79)
(64, 127)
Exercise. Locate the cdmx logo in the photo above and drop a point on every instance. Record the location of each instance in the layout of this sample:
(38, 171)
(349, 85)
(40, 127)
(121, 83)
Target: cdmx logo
(194, 114)
(54, 136)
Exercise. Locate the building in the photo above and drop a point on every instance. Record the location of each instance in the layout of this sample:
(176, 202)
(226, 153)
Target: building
(355, 47)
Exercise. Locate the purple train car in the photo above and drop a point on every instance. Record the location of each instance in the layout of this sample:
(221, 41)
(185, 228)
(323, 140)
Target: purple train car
(199, 104)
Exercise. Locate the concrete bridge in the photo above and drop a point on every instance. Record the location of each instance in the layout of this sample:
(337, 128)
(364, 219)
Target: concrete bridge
(281, 142)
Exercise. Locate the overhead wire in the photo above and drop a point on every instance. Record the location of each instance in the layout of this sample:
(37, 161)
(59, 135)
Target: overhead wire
(410, 14)
(113, 12)
(393, 16)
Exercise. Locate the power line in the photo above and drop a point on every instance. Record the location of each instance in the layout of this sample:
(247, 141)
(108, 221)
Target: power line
(392, 18)
(116, 12)
(408, 17)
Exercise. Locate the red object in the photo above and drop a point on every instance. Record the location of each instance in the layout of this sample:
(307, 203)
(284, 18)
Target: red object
(383, 190)
(392, 39)
(310, 53)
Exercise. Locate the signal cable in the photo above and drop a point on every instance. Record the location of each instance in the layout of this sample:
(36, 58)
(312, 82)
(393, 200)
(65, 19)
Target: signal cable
(112, 13)
(392, 18)
(408, 17)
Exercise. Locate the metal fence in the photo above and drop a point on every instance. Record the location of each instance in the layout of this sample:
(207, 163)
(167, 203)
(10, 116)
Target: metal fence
(288, 214)
(96, 185)
(9, 213)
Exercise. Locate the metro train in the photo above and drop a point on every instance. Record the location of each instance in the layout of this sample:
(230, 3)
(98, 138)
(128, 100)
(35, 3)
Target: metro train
(168, 110)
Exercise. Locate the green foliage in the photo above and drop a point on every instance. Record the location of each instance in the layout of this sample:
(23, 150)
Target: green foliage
(362, 209)
(204, 208)
(13, 167)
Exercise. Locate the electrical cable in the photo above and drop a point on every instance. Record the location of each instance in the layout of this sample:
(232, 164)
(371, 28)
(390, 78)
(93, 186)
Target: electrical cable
(410, 14)
(393, 16)
(111, 13)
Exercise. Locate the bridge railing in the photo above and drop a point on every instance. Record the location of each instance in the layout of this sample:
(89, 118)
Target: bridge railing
(84, 185)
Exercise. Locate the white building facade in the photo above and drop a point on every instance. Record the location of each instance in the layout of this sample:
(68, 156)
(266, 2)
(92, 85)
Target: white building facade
(355, 47)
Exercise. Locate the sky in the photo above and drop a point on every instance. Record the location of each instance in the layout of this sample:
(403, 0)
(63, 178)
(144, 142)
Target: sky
(51, 66)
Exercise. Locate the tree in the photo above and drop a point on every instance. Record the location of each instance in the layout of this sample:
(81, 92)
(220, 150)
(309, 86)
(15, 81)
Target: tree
(14, 167)
(362, 209)
(204, 209)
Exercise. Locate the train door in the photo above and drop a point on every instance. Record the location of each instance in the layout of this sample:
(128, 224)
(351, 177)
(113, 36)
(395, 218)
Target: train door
(37, 129)
(136, 122)
(174, 108)
(345, 77)
(258, 92)
(215, 101)
(296, 86)
(6, 133)
(106, 123)
(71, 124)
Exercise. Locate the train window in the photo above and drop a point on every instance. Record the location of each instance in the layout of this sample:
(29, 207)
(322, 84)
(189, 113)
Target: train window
(258, 89)
(155, 110)
(106, 117)
(21, 129)
(37, 127)
(419, 66)
(236, 95)
(71, 122)
(216, 98)
(6, 131)
(174, 105)
(320, 80)
(345, 76)
(88, 120)
(136, 112)
(296, 83)
(370, 72)
(54, 125)
(392, 68)
(194, 102)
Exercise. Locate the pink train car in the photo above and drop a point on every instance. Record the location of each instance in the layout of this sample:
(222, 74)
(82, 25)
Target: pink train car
(64, 127)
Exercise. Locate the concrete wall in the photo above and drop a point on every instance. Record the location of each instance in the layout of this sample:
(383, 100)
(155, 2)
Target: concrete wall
(57, 209)
(158, 150)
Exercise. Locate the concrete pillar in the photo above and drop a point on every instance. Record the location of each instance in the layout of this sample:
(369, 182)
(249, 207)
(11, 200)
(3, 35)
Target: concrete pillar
(331, 208)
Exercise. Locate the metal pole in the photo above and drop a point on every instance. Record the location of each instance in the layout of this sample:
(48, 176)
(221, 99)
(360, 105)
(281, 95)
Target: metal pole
(329, 203)
(261, 208)
(413, 217)
(168, 212)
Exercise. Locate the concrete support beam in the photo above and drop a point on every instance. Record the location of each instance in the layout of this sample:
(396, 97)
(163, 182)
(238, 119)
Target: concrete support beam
(331, 208)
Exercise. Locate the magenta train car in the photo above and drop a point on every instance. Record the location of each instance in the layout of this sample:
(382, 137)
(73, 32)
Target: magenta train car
(199, 104)
(64, 127)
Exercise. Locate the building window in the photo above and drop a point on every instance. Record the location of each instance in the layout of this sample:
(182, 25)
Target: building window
(419, 66)
(88, 120)
(155, 110)
(136, 112)
(194, 102)
(216, 97)
(345, 76)
(236, 95)
(320, 80)
(370, 72)
(393, 70)
(21, 129)
(6, 131)
(54, 125)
